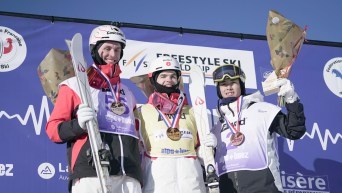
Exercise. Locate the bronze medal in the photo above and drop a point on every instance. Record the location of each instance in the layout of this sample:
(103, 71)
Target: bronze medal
(118, 108)
(173, 133)
(237, 139)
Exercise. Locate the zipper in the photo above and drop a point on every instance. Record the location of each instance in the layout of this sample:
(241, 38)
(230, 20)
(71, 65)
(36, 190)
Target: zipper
(122, 157)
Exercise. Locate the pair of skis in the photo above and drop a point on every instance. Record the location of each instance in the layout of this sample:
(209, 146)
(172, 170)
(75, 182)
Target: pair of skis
(97, 146)
(197, 95)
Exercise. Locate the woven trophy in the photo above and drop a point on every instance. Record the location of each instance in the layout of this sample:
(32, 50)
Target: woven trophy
(285, 40)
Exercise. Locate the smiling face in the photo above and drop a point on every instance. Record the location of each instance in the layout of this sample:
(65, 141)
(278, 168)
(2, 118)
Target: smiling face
(230, 88)
(167, 78)
(110, 52)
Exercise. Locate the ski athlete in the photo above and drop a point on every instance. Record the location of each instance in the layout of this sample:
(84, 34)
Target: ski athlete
(169, 135)
(246, 153)
(114, 104)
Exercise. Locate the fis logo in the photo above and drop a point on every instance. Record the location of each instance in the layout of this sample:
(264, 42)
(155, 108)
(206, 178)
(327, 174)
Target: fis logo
(140, 56)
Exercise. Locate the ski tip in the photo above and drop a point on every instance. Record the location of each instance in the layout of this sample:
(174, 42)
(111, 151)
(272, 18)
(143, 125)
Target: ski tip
(195, 68)
(68, 43)
(196, 74)
(77, 36)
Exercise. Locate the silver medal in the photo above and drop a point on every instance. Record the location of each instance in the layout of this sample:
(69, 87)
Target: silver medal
(118, 108)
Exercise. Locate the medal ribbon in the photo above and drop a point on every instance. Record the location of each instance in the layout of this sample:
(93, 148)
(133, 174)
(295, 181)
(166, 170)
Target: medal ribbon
(177, 114)
(238, 107)
(116, 92)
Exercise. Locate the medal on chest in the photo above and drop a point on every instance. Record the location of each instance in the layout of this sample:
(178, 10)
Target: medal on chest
(237, 137)
(117, 107)
(172, 131)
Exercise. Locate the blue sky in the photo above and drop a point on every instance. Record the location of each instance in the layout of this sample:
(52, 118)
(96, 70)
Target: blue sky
(323, 18)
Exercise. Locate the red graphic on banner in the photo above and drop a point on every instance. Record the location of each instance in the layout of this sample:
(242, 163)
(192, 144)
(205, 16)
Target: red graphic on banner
(10, 46)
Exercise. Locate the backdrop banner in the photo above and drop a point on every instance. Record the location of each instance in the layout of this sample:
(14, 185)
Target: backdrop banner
(31, 163)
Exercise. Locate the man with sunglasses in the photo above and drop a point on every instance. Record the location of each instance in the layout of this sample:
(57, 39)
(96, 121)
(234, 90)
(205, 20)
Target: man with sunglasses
(114, 104)
(169, 134)
(246, 152)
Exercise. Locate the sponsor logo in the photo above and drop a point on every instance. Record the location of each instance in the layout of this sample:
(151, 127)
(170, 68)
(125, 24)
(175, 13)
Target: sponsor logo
(295, 183)
(238, 156)
(117, 33)
(46, 170)
(12, 49)
(174, 151)
(6, 169)
(241, 122)
(332, 74)
(171, 116)
(63, 172)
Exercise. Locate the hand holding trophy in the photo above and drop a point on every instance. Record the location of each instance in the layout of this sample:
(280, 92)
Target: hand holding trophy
(284, 39)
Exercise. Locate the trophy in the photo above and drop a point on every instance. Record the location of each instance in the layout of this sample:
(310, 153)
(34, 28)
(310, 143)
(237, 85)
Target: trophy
(285, 40)
(55, 68)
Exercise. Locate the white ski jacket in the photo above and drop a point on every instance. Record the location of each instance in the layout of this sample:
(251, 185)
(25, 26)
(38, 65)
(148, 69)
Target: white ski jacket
(169, 166)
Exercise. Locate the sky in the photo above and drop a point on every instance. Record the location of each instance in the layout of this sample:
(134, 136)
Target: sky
(322, 18)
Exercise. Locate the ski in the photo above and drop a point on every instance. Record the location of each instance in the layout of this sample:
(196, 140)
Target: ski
(97, 146)
(197, 95)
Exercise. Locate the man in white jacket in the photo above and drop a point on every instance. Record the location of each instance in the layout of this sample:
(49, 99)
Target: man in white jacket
(246, 153)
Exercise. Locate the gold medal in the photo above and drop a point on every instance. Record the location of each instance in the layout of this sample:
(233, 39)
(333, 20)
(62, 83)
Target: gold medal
(118, 108)
(173, 133)
(237, 138)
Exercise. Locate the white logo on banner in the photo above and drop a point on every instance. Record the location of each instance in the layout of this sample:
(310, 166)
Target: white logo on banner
(304, 183)
(6, 169)
(324, 137)
(12, 49)
(46, 170)
(138, 54)
(31, 115)
(332, 74)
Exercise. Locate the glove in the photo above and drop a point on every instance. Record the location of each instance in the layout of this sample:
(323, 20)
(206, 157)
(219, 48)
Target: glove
(210, 140)
(84, 114)
(286, 90)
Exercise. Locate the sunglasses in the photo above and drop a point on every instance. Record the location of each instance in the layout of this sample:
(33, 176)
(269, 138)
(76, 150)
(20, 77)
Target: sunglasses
(229, 71)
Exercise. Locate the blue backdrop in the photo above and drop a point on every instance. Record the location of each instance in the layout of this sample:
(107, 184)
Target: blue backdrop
(30, 162)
